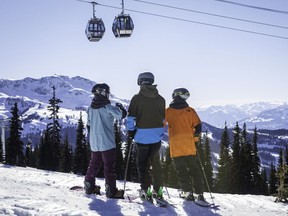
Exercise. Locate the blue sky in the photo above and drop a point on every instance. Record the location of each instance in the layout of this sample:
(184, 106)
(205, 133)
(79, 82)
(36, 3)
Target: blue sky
(218, 66)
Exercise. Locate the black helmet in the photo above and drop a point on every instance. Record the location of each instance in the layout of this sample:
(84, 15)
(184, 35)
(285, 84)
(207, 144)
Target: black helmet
(182, 92)
(145, 78)
(102, 89)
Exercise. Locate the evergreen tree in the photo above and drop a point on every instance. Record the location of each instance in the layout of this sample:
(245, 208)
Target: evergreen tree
(280, 160)
(132, 173)
(286, 160)
(282, 171)
(236, 161)
(263, 183)
(166, 161)
(1, 150)
(246, 182)
(207, 164)
(34, 156)
(80, 164)
(53, 132)
(282, 195)
(172, 177)
(28, 153)
(272, 180)
(119, 166)
(223, 182)
(257, 176)
(44, 151)
(169, 173)
(14, 150)
(66, 157)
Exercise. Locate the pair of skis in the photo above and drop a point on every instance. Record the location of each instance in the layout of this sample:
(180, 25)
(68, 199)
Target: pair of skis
(202, 203)
(158, 202)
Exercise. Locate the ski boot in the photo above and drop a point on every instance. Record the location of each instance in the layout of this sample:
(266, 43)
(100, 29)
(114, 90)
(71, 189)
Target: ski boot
(117, 194)
(187, 195)
(158, 197)
(91, 189)
(146, 195)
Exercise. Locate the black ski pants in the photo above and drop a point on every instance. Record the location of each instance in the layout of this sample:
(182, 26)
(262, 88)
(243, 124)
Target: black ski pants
(147, 156)
(188, 173)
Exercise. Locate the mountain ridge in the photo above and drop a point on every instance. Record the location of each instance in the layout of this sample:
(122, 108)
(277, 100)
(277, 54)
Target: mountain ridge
(32, 96)
(75, 92)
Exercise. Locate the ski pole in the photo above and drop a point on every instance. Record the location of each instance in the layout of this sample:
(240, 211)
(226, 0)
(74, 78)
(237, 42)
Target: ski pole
(127, 162)
(202, 168)
(167, 191)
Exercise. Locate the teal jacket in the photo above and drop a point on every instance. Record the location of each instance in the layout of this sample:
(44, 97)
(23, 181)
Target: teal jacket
(101, 123)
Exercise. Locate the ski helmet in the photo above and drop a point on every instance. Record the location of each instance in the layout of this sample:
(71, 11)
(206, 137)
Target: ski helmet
(145, 78)
(102, 89)
(182, 92)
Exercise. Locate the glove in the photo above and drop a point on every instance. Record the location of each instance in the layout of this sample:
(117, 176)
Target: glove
(124, 112)
(131, 134)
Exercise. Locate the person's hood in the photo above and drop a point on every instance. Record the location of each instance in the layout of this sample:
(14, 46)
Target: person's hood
(99, 101)
(178, 103)
(149, 90)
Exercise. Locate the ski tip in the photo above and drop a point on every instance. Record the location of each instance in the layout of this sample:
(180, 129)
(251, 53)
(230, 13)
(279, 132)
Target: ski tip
(77, 187)
(214, 206)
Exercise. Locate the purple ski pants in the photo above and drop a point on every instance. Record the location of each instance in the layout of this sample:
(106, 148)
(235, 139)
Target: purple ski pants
(108, 159)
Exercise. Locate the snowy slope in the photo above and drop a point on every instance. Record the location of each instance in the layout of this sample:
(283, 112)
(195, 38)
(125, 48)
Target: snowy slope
(27, 191)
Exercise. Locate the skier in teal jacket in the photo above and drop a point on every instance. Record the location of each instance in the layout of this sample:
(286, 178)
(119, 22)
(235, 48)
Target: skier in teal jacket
(100, 122)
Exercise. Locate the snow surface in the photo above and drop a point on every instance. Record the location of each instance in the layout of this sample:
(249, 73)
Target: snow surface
(28, 191)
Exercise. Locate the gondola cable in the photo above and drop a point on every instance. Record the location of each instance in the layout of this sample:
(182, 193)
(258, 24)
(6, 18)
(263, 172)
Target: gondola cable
(211, 14)
(254, 7)
(196, 22)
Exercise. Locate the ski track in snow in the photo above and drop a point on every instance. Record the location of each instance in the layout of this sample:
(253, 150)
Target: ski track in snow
(28, 191)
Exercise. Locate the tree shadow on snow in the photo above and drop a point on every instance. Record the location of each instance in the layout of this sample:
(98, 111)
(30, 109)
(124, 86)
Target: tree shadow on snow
(108, 207)
(193, 209)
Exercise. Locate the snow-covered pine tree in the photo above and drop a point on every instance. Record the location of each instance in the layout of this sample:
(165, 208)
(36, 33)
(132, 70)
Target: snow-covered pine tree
(14, 149)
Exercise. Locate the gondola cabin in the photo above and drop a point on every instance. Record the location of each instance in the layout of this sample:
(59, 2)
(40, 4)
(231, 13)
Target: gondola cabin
(95, 29)
(122, 26)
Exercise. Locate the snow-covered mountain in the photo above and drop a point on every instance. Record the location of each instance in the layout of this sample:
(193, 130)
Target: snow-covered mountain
(32, 96)
(263, 115)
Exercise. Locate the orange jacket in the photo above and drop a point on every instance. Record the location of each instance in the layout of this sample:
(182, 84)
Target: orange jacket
(181, 128)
